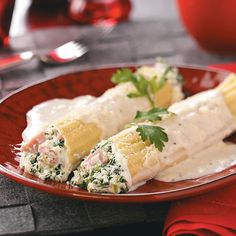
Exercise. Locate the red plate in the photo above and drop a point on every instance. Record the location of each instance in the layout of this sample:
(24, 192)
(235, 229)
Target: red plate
(14, 107)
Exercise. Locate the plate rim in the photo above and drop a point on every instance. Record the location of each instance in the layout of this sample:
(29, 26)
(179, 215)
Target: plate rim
(110, 66)
(121, 198)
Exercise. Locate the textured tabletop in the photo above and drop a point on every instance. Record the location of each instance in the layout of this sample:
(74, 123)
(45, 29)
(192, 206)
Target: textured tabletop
(26, 210)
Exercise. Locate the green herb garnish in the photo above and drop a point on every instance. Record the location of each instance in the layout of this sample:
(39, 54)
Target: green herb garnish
(138, 80)
(163, 78)
(122, 76)
(151, 115)
(155, 135)
(143, 86)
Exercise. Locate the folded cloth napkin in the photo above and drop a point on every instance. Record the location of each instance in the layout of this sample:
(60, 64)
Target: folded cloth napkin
(210, 214)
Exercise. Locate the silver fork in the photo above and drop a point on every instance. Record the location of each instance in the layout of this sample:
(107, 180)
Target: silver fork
(65, 53)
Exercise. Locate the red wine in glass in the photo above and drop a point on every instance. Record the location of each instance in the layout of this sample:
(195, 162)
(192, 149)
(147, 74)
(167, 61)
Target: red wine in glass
(95, 11)
(6, 12)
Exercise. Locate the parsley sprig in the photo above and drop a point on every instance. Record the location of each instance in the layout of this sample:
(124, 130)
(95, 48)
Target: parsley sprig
(138, 80)
(155, 113)
(155, 134)
(157, 86)
(143, 86)
(122, 76)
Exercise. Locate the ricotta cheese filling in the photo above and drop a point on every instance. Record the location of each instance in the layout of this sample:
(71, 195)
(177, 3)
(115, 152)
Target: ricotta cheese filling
(104, 170)
(46, 158)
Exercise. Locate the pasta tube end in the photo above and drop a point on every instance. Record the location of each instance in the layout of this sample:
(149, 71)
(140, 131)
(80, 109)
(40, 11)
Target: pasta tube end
(228, 89)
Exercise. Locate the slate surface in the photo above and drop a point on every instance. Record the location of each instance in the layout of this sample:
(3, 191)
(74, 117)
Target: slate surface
(27, 211)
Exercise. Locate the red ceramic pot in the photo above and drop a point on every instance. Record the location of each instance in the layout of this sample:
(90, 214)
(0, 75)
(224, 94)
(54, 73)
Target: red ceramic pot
(212, 23)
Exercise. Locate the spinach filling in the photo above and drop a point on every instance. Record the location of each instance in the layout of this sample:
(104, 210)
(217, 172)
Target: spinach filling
(103, 176)
(36, 167)
(37, 160)
(59, 143)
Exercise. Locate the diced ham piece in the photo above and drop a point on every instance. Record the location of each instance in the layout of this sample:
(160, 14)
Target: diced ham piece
(98, 157)
(32, 144)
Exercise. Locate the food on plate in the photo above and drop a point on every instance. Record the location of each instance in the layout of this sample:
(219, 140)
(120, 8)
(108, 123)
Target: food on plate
(46, 113)
(159, 139)
(57, 150)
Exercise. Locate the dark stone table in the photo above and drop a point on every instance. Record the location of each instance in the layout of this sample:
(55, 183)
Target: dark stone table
(25, 210)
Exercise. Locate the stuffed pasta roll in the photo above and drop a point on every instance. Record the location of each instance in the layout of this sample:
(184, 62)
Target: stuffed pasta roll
(55, 152)
(137, 154)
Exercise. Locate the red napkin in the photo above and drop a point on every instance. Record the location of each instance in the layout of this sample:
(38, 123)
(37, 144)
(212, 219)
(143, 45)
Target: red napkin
(210, 214)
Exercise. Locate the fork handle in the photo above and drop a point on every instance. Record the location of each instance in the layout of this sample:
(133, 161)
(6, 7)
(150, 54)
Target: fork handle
(15, 60)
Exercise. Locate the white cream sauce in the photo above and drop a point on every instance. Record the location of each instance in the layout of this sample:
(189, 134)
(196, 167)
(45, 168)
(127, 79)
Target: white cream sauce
(200, 125)
(45, 113)
(212, 160)
(200, 121)
(112, 110)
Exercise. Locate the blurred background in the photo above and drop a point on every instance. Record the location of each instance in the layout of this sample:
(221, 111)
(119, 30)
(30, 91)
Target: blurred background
(171, 29)
(151, 10)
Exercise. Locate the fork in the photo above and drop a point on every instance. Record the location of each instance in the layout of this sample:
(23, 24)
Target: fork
(65, 53)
